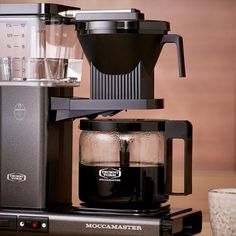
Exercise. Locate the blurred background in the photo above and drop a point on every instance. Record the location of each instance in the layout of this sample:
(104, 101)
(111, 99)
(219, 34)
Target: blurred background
(207, 97)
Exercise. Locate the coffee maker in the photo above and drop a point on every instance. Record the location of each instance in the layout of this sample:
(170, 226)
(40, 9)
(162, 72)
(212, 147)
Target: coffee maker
(40, 64)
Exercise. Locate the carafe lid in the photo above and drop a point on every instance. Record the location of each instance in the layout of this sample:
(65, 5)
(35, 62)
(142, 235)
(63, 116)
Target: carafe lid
(122, 125)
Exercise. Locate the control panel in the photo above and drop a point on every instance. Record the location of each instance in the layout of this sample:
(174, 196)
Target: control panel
(24, 224)
(32, 224)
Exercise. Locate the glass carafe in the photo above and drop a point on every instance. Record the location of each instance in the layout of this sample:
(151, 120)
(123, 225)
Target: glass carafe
(128, 163)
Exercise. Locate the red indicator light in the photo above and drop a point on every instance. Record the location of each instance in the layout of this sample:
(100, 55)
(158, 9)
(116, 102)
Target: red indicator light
(35, 225)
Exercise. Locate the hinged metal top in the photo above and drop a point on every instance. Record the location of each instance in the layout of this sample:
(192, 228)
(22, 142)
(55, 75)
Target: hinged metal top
(117, 21)
(101, 15)
(34, 9)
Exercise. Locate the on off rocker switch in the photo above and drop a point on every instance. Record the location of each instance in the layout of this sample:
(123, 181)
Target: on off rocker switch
(33, 224)
(7, 223)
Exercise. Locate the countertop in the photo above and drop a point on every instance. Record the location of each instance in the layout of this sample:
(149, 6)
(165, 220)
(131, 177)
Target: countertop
(206, 229)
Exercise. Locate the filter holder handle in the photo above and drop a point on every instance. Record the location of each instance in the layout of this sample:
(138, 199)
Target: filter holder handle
(178, 130)
(178, 40)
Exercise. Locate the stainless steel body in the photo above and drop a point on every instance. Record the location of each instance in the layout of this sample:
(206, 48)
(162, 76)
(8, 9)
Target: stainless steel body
(35, 154)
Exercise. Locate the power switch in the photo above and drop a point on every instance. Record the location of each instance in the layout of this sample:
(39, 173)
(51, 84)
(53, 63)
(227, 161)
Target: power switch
(33, 224)
(4, 223)
(7, 223)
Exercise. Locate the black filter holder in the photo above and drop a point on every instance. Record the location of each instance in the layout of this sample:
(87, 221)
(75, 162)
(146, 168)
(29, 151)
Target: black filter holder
(122, 49)
(123, 54)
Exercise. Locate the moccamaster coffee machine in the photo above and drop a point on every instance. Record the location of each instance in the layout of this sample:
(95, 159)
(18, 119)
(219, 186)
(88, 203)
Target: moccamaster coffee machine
(125, 166)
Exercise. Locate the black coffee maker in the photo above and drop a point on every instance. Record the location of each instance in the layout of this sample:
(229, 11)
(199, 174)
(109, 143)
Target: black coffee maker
(35, 189)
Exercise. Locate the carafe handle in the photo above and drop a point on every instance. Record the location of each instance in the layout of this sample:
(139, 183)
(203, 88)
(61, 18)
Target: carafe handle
(178, 40)
(178, 130)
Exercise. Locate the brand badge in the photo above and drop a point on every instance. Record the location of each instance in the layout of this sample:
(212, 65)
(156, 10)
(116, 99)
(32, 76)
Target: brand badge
(16, 177)
(19, 111)
(110, 174)
(113, 227)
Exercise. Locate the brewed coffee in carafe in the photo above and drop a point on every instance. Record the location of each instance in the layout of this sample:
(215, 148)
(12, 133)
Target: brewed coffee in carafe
(124, 163)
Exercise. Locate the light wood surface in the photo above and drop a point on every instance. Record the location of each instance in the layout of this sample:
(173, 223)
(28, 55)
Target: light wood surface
(206, 230)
